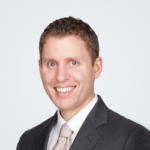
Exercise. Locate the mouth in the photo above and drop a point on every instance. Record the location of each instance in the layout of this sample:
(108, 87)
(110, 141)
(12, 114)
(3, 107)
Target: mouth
(65, 90)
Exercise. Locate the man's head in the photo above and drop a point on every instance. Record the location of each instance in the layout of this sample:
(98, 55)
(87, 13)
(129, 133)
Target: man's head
(65, 65)
(72, 26)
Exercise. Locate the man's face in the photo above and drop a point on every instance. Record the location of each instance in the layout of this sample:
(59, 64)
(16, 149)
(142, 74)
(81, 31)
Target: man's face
(67, 72)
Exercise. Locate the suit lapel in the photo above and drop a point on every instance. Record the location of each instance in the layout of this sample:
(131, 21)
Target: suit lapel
(88, 135)
(86, 138)
(42, 140)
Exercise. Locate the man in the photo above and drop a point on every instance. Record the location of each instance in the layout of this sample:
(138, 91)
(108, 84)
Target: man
(69, 64)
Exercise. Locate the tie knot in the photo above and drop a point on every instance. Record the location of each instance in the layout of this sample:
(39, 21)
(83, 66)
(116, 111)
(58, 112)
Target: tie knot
(65, 131)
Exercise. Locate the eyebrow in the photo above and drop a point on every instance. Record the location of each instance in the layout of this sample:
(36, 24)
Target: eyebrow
(68, 58)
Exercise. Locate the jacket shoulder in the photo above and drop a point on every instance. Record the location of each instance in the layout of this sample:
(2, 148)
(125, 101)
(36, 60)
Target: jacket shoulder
(123, 127)
(122, 123)
(28, 136)
(133, 135)
(38, 128)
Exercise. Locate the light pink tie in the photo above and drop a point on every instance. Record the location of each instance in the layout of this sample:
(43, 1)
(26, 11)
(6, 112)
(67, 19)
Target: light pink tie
(64, 139)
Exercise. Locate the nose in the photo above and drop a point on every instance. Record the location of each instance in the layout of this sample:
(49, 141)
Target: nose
(62, 73)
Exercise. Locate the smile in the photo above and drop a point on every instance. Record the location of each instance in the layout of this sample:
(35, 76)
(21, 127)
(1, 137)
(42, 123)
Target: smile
(63, 90)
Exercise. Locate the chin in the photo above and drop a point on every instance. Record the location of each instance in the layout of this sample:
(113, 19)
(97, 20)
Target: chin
(64, 107)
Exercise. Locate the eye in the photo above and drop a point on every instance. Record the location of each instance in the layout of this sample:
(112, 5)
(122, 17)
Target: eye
(73, 63)
(51, 64)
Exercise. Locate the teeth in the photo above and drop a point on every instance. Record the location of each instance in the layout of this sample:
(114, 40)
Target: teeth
(63, 90)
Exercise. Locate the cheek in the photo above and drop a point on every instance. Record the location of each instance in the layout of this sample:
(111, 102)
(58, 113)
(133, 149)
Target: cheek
(80, 76)
(88, 77)
(47, 76)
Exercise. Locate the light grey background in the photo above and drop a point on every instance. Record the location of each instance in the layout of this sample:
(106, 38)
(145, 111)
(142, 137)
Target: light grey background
(123, 28)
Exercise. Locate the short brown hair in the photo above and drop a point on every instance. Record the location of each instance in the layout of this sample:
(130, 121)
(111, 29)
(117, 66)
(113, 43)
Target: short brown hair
(72, 26)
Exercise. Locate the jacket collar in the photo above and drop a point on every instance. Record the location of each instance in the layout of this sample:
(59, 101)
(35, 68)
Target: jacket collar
(98, 115)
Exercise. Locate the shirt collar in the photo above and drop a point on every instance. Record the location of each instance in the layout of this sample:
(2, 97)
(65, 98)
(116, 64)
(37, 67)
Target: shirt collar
(76, 121)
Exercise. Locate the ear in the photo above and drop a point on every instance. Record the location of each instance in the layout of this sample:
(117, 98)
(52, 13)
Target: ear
(40, 68)
(98, 66)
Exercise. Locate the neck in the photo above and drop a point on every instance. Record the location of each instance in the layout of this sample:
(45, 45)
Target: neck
(68, 114)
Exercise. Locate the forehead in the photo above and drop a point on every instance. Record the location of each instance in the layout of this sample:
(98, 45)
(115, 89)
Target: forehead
(64, 47)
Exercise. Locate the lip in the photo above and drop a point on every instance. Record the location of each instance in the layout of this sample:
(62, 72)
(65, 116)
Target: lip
(66, 93)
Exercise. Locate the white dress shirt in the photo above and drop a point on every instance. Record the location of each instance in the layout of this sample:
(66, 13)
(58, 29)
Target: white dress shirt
(74, 123)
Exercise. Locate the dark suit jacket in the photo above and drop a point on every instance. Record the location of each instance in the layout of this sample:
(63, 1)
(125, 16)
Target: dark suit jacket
(103, 129)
